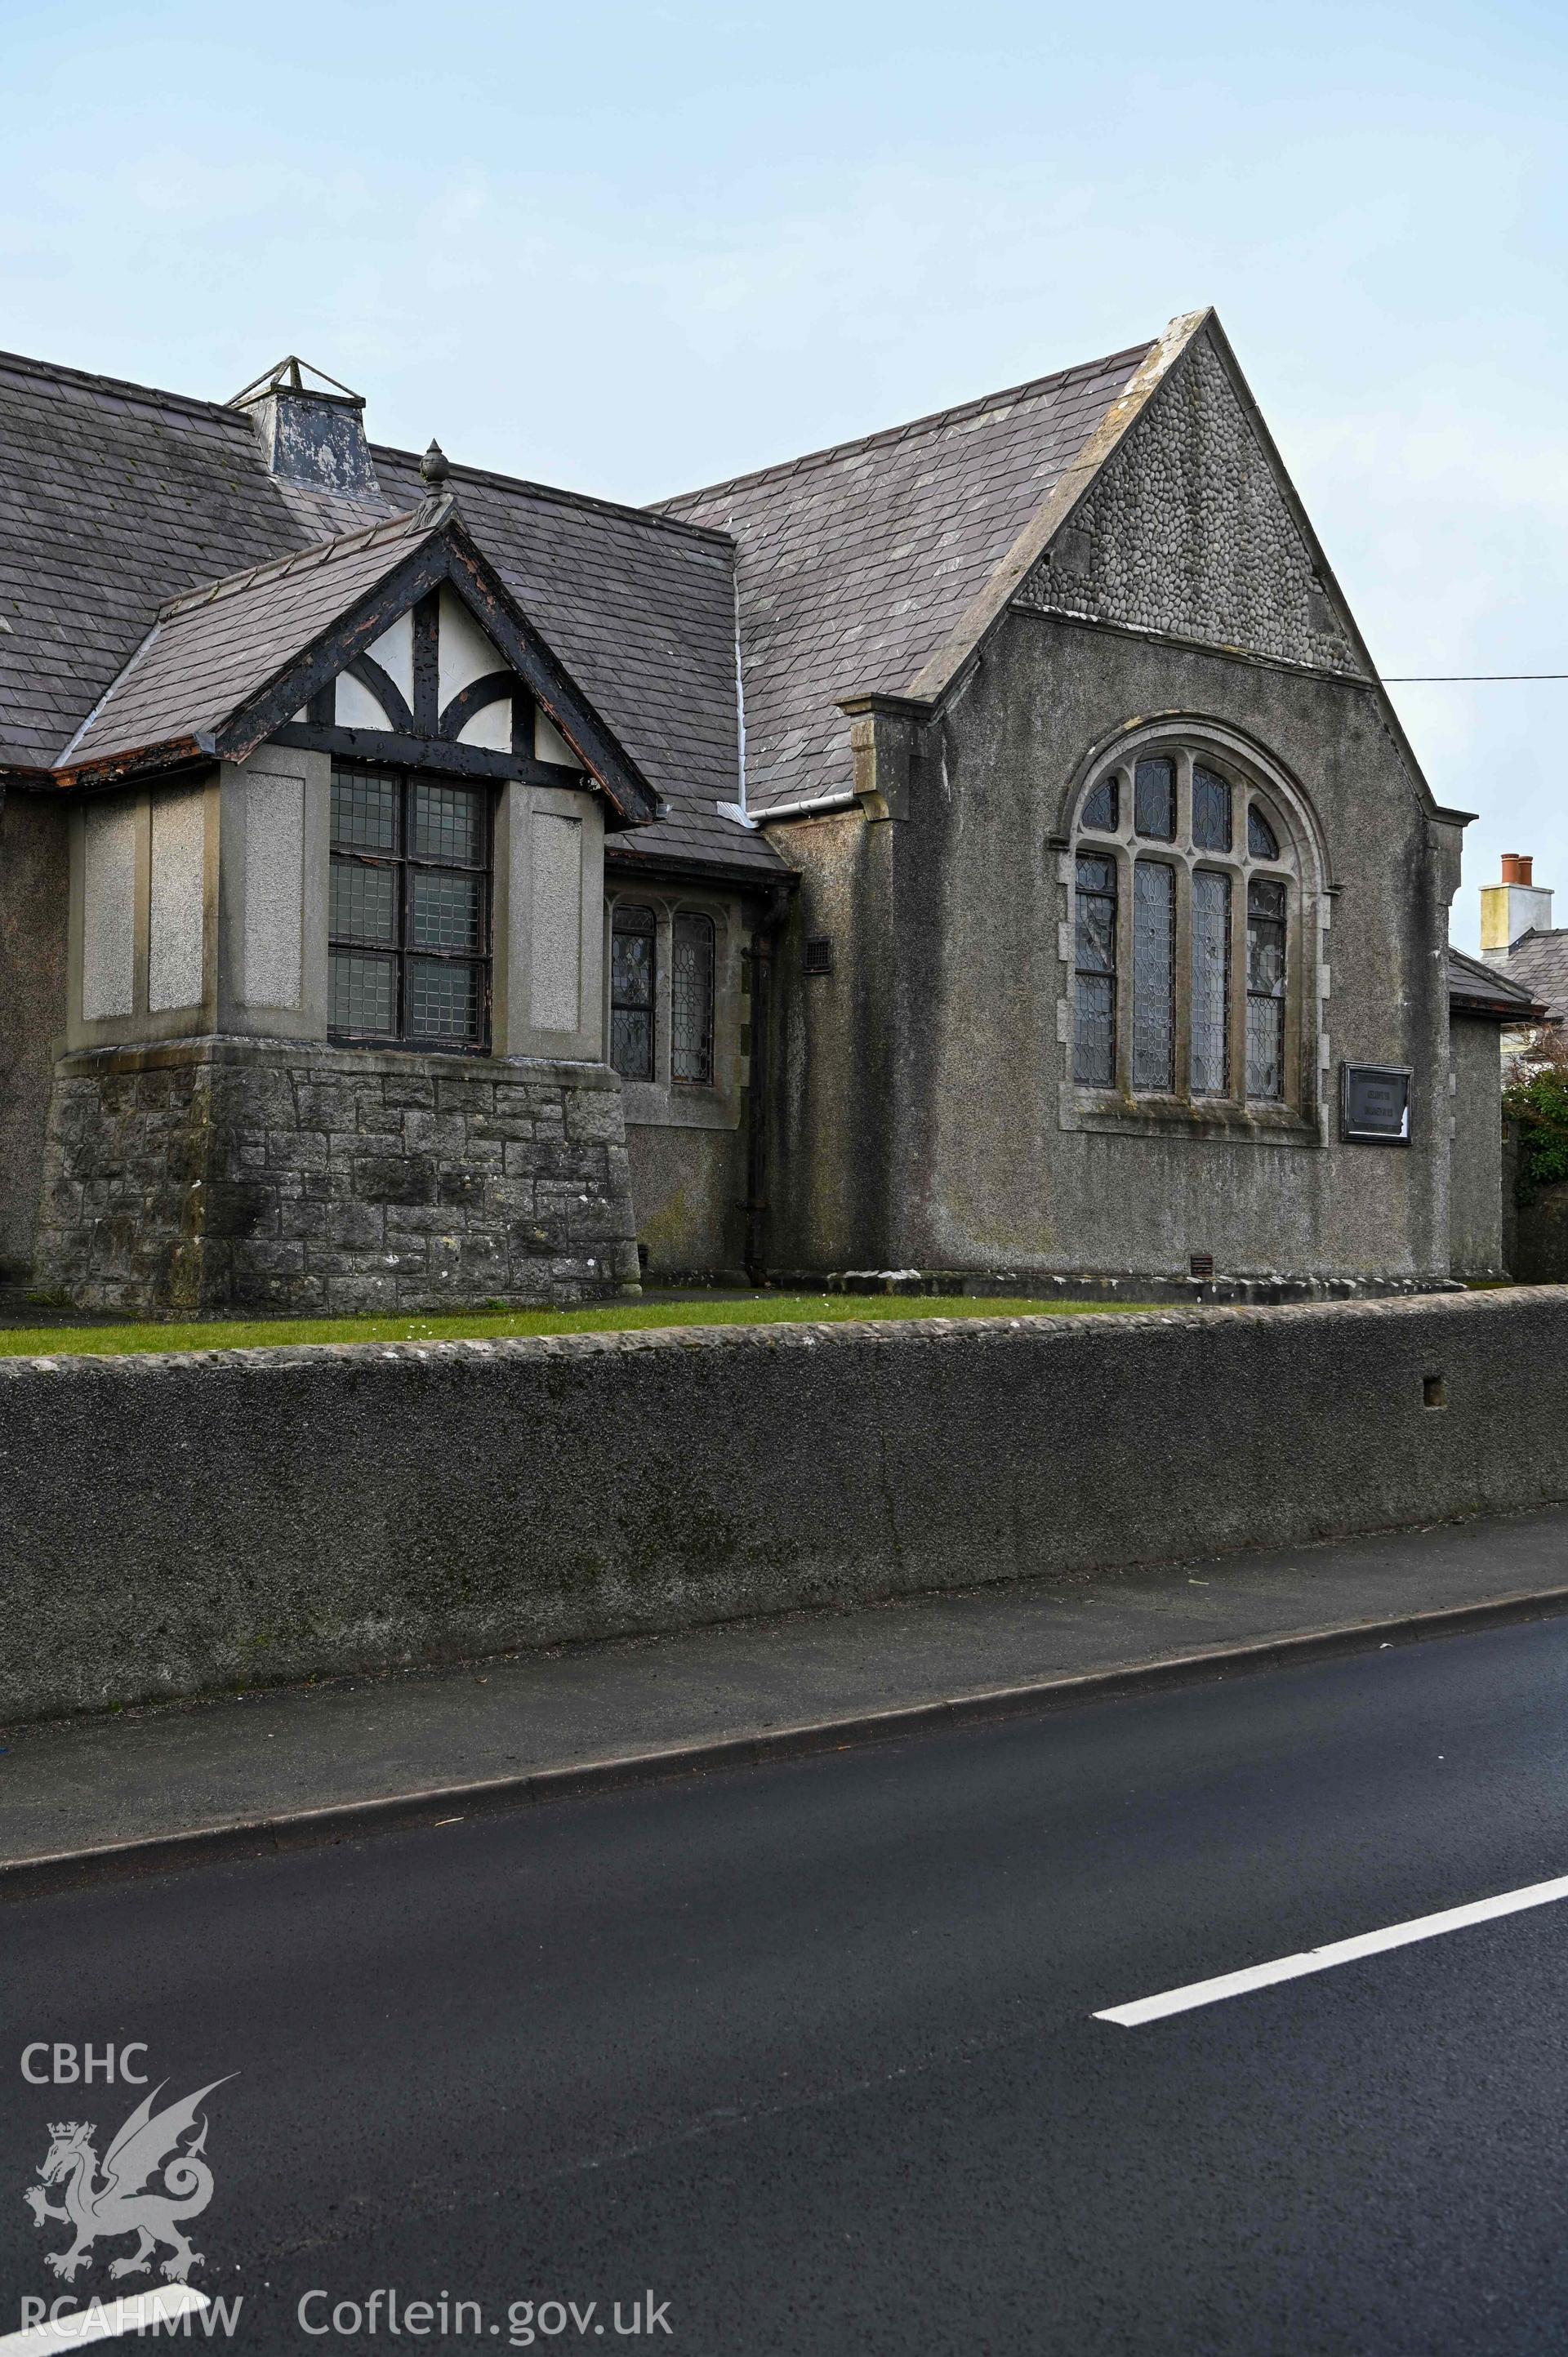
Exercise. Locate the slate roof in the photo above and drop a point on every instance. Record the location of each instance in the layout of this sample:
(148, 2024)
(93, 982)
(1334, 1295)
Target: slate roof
(855, 563)
(1475, 988)
(209, 652)
(645, 620)
(116, 498)
(1538, 963)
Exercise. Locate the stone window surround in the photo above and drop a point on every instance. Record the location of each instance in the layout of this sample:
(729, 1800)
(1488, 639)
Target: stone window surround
(1297, 1119)
(665, 1103)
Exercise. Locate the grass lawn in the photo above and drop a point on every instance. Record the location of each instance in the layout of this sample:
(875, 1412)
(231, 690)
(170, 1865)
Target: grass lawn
(610, 1316)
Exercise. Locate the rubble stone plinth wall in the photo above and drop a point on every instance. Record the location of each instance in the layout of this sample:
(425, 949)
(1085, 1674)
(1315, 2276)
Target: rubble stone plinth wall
(235, 1174)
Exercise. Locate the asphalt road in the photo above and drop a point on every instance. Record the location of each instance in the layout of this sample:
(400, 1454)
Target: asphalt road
(807, 2053)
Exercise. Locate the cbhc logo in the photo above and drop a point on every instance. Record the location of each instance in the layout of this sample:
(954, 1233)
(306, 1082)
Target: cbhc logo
(73, 2066)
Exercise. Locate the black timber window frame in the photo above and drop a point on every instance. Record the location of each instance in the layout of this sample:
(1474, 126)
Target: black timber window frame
(410, 923)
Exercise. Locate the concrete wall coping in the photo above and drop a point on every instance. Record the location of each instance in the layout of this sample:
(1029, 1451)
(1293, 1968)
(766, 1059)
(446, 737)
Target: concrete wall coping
(1050, 1331)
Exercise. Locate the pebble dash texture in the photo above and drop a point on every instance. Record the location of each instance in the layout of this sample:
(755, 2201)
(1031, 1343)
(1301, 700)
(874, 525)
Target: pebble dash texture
(175, 1524)
(229, 1175)
(1186, 531)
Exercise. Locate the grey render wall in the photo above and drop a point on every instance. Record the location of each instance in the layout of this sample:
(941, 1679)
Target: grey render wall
(688, 1189)
(169, 1524)
(957, 910)
(1475, 1164)
(838, 1103)
(34, 918)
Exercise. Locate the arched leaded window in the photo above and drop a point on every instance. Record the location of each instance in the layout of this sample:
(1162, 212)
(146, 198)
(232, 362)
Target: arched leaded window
(1188, 918)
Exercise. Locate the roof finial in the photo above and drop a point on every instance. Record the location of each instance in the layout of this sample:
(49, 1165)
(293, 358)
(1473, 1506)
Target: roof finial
(433, 466)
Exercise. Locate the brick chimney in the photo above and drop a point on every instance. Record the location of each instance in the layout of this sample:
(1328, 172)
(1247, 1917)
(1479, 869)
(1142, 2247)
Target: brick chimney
(313, 435)
(1517, 905)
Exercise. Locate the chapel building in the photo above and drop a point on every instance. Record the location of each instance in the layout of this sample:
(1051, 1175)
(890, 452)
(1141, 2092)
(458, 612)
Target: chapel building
(984, 852)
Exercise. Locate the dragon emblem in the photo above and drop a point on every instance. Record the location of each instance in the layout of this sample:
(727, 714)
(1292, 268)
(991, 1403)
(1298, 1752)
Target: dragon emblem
(150, 2184)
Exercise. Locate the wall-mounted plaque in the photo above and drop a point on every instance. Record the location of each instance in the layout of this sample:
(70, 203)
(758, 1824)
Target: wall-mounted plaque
(1376, 1103)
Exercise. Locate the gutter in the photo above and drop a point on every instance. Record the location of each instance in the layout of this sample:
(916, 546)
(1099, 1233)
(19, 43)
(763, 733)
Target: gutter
(818, 805)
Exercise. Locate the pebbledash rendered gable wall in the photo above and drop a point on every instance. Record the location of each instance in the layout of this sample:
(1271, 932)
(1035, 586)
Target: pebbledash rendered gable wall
(277, 1513)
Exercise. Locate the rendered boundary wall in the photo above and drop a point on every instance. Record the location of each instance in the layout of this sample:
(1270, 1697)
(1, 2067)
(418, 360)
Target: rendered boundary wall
(171, 1524)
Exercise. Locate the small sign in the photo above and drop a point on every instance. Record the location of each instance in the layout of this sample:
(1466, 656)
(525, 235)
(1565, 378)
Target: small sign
(1377, 1103)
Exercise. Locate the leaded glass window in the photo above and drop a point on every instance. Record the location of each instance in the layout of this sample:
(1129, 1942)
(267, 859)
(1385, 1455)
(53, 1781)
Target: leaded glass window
(1094, 1049)
(692, 999)
(1265, 988)
(1154, 976)
(1102, 812)
(1155, 799)
(1211, 982)
(1185, 892)
(410, 910)
(633, 938)
(1261, 838)
(1210, 808)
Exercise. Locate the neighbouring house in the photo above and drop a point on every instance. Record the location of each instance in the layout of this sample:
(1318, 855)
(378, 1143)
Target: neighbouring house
(1520, 941)
(984, 849)
(1486, 1010)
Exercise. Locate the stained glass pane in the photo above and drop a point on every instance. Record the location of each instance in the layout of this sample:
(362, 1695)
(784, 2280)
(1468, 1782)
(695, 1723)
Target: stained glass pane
(1265, 988)
(1094, 1046)
(1096, 903)
(632, 938)
(443, 999)
(1153, 799)
(447, 824)
(1261, 838)
(631, 958)
(364, 902)
(692, 1000)
(446, 911)
(1102, 809)
(1154, 995)
(363, 991)
(631, 1044)
(1094, 1038)
(1211, 810)
(1211, 982)
(365, 810)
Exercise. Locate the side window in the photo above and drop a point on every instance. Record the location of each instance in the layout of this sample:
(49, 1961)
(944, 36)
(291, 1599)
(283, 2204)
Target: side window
(633, 940)
(692, 999)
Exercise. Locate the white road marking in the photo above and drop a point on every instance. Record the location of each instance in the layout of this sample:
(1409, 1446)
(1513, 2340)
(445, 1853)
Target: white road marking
(1318, 1960)
(104, 2320)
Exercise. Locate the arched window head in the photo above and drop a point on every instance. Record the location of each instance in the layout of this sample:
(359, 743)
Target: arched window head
(1190, 868)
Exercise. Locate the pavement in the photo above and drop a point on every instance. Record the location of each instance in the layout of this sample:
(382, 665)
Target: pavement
(144, 1788)
(807, 2059)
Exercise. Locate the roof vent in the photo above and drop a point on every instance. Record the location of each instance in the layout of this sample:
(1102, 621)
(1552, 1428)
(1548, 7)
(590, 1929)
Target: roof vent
(312, 433)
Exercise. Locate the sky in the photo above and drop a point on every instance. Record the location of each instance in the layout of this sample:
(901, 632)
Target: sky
(631, 249)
